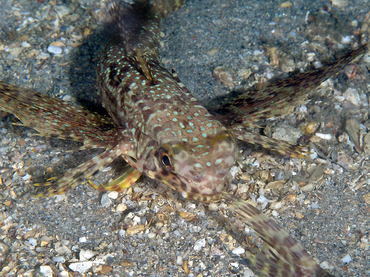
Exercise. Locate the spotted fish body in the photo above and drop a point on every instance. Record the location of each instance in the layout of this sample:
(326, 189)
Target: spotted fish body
(177, 141)
(163, 132)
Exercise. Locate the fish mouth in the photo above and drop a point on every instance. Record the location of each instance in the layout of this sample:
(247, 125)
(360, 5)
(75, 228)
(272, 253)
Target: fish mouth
(205, 189)
(208, 190)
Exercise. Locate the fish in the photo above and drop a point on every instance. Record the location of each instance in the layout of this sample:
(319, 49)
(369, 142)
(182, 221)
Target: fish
(163, 132)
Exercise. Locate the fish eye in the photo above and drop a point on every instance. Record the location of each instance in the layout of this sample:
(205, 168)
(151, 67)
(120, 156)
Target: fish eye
(165, 160)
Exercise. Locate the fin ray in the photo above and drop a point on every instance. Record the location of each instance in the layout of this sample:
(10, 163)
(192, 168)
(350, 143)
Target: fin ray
(52, 117)
(279, 98)
(288, 258)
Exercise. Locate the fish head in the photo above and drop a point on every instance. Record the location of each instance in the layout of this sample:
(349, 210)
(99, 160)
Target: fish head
(198, 171)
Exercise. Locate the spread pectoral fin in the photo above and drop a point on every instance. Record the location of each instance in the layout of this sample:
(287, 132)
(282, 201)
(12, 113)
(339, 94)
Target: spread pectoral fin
(53, 117)
(279, 98)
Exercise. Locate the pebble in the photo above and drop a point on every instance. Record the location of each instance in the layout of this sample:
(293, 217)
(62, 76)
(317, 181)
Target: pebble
(263, 200)
(54, 49)
(339, 3)
(121, 207)
(32, 241)
(199, 244)
(312, 127)
(276, 185)
(245, 73)
(324, 136)
(61, 248)
(46, 271)
(82, 239)
(314, 206)
(238, 250)
(67, 98)
(287, 133)
(276, 205)
(42, 56)
(60, 197)
(195, 229)
(279, 176)
(81, 267)
(234, 170)
(346, 40)
(137, 219)
(286, 4)
(26, 177)
(213, 207)
(234, 264)
(299, 215)
(138, 189)
(345, 159)
(366, 59)
(325, 265)
(248, 273)
(366, 198)
(346, 259)
(59, 259)
(287, 64)
(310, 57)
(367, 144)
(317, 64)
(102, 269)
(313, 154)
(133, 230)
(105, 200)
(213, 52)
(179, 260)
(275, 213)
(113, 194)
(86, 255)
(215, 251)
(352, 96)
(4, 250)
(14, 51)
(126, 262)
(25, 44)
(64, 273)
(62, 10)
(354, 130)
(225, 75)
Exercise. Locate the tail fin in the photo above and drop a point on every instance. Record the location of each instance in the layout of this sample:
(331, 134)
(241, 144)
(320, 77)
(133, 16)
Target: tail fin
(283, 255)
(137, 24)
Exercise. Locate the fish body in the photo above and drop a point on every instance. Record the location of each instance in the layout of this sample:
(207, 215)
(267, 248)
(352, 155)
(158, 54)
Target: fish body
(178, 141)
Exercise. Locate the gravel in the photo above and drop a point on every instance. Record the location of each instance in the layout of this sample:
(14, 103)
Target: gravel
(53, 46)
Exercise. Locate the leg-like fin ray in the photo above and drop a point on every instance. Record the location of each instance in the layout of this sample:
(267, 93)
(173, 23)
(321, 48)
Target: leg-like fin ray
(284, 256)
(85, 171)
(126, 180)
(279, 146)
(53, 117)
